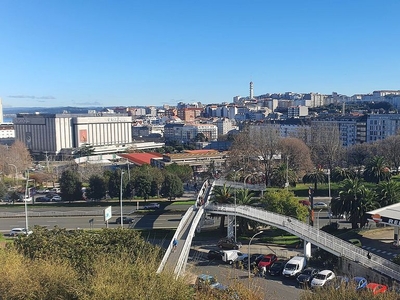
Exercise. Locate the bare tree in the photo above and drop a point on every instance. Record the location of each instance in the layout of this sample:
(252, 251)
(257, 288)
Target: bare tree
(389, 148)
(257, 148)
(298, 155)
(326, 146)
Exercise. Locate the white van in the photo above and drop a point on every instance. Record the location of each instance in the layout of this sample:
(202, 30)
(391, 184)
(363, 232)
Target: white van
(294, 266)
(230, 256)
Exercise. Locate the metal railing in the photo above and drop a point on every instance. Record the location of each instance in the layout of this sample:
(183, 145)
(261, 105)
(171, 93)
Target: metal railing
(52, 213)
(183, 258)
(241, 185)
(313, 235)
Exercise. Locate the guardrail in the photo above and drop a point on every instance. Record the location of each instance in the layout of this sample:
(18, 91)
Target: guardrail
(52, 214)
(313, 235)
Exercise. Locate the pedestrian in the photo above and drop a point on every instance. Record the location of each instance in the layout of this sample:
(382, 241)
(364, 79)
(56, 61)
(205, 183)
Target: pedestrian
(369, 255)
(263, 271)
(174, 244)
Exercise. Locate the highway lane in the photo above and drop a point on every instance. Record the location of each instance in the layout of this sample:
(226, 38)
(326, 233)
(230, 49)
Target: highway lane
(73, 222)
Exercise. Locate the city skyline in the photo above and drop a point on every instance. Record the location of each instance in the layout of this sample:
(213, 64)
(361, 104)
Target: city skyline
(134, 53)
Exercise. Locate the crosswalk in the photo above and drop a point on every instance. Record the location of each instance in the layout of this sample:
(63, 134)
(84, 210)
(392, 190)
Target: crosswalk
(380, 252)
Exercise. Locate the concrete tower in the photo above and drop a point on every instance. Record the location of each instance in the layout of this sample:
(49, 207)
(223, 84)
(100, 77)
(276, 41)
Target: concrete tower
(251, 90)
(1, 112)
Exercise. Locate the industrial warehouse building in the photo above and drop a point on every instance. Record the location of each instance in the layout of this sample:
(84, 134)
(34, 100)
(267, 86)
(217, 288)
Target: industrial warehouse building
(61, 134)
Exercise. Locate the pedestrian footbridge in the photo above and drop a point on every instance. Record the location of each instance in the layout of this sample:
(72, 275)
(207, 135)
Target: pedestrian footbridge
(194, 217)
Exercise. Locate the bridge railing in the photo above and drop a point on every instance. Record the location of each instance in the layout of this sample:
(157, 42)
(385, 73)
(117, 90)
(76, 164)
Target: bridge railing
(313, 235)
(239, 184)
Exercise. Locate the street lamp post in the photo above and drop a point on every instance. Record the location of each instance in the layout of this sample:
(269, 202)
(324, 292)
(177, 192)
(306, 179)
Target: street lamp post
(329, 194)
(248, 253)
(120, 200)
(318, 218)
(234, 179)
(26, 197)
(287, 173)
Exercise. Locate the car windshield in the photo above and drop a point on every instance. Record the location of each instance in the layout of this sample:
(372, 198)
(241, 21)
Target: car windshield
(277, 264)
(320, 276)
(266, 259)
(290, 267)
(307, 272)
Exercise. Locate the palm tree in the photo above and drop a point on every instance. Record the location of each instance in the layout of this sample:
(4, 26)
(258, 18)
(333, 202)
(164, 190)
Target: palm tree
(245, 197)
(316, 177)
(377, 170)
(222, 195)
(388, 192)
(350, 197)
(340, 174)
(367, 203)
(281, 174)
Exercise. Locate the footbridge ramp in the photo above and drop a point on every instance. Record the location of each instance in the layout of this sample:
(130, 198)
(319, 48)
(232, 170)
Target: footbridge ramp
(311, 235)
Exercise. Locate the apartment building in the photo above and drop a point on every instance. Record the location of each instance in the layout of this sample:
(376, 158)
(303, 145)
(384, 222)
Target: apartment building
(380, 126)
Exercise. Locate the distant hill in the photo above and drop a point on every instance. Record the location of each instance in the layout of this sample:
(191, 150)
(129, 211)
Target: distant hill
(49, 110)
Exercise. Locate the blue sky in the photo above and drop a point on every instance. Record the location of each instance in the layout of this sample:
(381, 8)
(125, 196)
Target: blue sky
(130, 53)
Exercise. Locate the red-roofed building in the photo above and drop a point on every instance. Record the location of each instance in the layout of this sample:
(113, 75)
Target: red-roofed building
(139, 159)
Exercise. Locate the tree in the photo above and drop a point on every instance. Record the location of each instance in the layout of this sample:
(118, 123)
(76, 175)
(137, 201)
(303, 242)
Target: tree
(388, 192)
(143, 186)
(350, 197)
(389, 148)
(339, 174)
(377, 169)
(184, 172)
(97, 187)
(172, 187)
(285, 203)
(222, 195)
(279, 176)
(298, 155)
(326, 146)
(245, 197)
(114, 183)
(358, 155)
(256, 148)
(84, 150)
(70, 185)
(318, 176)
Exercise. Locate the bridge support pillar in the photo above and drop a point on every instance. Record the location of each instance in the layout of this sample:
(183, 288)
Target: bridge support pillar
(307, 249)
(396, 237)
(231, 223)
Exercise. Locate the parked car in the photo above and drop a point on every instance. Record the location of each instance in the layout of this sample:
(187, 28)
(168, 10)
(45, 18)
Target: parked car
(294, 266)
(208, 281)
(305, 277)
(267, 261)
(322, 278)
(56, 198)
(43, 191)
(320, 205)
(214, 254)
(152, 206)
(20, 231)
(228, 243)
(42, 199)
(254, 260)
(232, 256)
(277, 267)
(376, 288)
(337, 282)
(360, 283)
(125, 220)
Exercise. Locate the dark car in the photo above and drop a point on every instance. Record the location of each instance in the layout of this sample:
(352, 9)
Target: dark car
(306, 276)
(126, 220)
(254, 260)
(214, 254)
(42, 199)
(277, 267)
(228, 243)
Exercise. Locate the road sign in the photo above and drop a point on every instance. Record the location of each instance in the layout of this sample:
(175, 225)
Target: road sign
(107, 213)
